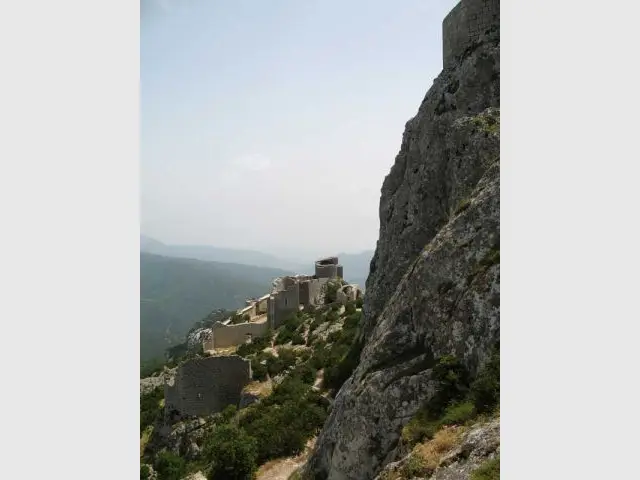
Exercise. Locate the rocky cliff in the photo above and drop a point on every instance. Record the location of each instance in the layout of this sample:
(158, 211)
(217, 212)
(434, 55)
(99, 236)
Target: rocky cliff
(434, 282)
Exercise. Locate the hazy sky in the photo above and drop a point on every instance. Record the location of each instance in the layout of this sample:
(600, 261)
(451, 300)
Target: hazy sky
(271, 125)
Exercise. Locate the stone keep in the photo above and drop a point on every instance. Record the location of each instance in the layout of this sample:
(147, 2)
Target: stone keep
(203, 386)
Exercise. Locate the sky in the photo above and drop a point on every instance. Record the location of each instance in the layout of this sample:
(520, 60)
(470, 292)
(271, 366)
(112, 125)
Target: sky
(271, 125)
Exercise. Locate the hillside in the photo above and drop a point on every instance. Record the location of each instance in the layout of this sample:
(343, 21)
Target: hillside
(175, 293)
(216, 254)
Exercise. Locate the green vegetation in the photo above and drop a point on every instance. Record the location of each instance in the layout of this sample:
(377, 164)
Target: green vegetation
(289, 328)
(457, 400)
(257, 345)
(489, 470)
(150, 409)
(232, 453)
(145, 472)
(285, 420)
(177, 292)
(359, 302)
(331, 291)
(170, 466)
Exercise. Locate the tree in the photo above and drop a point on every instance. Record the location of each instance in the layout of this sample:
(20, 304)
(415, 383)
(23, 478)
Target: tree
(232, 453)
(170, 466)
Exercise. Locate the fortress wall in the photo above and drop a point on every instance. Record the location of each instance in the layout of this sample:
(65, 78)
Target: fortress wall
(340, 271)
(232, 335)
(315, 290)
(304, 293)
(207, 385)
(286, 302)
(464, 24)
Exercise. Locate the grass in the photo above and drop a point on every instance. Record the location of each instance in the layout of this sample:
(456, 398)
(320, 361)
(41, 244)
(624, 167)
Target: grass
(426, 456)
(144, 439)
(489, 470)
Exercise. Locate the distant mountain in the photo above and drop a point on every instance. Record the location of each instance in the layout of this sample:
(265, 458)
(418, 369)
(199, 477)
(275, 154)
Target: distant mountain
(216, 254)
(177, 292)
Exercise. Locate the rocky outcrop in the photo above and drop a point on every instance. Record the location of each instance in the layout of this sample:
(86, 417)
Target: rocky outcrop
(434, 284)
(478, 445)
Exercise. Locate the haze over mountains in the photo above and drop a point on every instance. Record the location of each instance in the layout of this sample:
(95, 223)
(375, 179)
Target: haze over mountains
(356, 265)
(181, 284)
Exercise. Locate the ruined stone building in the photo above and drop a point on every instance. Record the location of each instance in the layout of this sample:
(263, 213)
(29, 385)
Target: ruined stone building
(288, 296)
(203, 386)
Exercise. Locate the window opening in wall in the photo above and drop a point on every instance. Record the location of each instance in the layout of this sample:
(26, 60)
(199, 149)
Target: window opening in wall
(285, 302)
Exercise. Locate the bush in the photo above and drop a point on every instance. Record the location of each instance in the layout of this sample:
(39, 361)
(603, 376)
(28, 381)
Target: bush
(458, 413)
(335, 376)
(485, 390)
(285, 420)
(284, 336)
(150, 409)
(257, 345)
(145, 472)
(297, 339)
(330, 292)
(258, 370)
(350, 308)
(232, 453)
(170, 466)
(489, 470)
(359, 302)
(332, 316)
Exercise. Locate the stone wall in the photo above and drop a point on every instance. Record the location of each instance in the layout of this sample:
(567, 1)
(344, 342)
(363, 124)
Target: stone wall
(203, 386)
(327, 267)
(465, 23)
(224, 336)
(285, 302)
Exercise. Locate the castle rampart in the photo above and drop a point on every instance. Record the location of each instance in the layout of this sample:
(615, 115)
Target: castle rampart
(466, 22)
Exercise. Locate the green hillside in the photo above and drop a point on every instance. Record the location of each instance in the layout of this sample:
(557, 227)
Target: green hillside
(176, 292)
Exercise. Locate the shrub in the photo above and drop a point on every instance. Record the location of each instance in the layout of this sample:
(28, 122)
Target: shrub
(489, 470)
(458, 413)
(297, 339)
(258, 370)
(331, 292)
(285, 420)
(150, 409)
(332, 316)
(335, 377)
(287, 356)
(350, 308)
(359, 302)
(170, 466)
(256, 346)
(485, 390)
(145, 472)
(284, 336)
(232, 454)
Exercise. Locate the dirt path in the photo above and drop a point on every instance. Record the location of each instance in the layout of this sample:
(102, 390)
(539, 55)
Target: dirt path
(282, 468)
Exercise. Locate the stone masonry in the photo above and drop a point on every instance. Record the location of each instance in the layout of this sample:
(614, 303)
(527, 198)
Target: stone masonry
(203, 386)
(288, 296)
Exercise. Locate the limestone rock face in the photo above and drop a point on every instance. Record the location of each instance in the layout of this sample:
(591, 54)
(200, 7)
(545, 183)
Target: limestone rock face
(478, 445)
(434, 284)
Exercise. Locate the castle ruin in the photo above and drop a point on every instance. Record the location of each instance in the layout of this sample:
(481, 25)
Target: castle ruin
(288, 296)
(203, 386)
